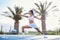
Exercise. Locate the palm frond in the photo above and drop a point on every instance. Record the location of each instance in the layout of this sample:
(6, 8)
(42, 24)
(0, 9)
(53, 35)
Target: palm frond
(6, 13)
(37, 11)
(56, 10)
(45, 5)
(20, 18)
(48, 5)
(16, 9)
(11, 11)
(52, 8)
(10, 17)
(16, 16)
(41, 5)
(20, 10)
(3, 14)
(37, 6)
(7, 16)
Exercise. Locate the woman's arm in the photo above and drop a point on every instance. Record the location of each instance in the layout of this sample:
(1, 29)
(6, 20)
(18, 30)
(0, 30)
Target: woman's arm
(24, 16)
(37, 18)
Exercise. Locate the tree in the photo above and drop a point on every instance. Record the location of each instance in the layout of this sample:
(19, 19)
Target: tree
(1, 28)
(15, 16)
(42, 10)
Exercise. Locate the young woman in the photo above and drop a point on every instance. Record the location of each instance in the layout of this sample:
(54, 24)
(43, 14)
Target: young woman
(31, 22)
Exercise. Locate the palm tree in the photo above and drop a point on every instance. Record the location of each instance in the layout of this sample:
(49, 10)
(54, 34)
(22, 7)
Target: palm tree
(1, 28)
(42, 10)
(15, 16)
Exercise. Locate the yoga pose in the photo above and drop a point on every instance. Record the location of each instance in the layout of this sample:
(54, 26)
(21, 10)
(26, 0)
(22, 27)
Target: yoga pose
(31, 22)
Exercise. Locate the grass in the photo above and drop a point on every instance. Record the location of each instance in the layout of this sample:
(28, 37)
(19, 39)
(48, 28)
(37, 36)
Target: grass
(33, 33)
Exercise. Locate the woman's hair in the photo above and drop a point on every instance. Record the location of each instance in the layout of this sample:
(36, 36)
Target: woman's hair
(32, 12)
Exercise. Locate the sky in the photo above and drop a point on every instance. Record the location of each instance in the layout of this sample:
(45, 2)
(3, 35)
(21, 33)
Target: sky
(52, 18)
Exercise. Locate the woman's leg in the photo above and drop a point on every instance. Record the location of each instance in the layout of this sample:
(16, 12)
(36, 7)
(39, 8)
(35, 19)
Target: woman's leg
(38, 30)
(23, 27)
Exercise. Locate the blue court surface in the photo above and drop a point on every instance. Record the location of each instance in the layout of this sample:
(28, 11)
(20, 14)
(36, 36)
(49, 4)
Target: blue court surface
(29, 37)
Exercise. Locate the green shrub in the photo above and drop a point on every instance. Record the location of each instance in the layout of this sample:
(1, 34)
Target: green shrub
(1, 32)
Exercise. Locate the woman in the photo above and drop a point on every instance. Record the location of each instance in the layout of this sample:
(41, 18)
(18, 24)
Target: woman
(31, 22)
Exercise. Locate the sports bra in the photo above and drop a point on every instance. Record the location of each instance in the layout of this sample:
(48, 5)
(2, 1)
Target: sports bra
(31, 18)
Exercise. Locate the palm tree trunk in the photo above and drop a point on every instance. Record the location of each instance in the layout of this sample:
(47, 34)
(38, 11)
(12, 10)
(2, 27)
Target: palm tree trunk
(43, 24)
(16, 26)
(1, 28)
